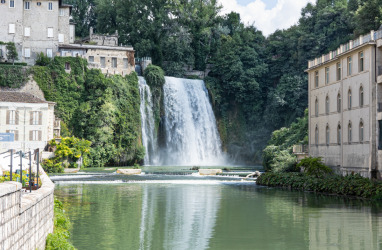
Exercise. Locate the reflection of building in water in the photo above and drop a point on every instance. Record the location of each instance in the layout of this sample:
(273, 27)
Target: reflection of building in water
(186, 216)
(354, 229)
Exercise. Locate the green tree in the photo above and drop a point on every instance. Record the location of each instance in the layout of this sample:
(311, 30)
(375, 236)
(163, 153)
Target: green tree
(12, 52)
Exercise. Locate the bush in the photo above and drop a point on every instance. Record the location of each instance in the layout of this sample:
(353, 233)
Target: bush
(59, 238)
(350, 185)
(314, 166)
(43, 60)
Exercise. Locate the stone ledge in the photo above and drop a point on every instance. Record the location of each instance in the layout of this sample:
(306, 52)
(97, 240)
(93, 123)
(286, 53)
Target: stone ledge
(129, 171)
(210, 171)
(9, 187)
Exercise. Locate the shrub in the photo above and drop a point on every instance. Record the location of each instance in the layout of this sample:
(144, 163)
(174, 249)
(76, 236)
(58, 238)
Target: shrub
(314, 166)
(43, 60)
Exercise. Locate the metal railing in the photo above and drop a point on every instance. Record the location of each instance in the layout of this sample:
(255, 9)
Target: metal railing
(12, 155)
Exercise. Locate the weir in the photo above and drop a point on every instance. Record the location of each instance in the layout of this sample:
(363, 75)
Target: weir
(189, 126)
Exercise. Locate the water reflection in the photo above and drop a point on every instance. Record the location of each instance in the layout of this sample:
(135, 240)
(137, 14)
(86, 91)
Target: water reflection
(216, 216)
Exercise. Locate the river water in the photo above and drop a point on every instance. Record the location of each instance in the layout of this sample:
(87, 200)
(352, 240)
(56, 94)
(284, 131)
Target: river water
(159, 211)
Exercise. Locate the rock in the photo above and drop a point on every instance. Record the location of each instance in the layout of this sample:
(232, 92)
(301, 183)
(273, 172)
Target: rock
(129, 171)
(210, 171)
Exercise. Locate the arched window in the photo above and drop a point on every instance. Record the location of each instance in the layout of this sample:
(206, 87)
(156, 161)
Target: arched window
(349, 99)
(349, 133)
(361, 131)
(327, 135)
(339, 102)
(316, 136)
(339, 134)
(316, 107)
(327, 105)
(361, 96)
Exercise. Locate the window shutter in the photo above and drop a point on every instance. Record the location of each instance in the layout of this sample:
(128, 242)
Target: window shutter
(31, 135)
(60, 38)
(27, 31)
(12, 28)
(40, 118)
(17, 117)
(7, 131)
(8, 114)
(31, 118)
(16, 135)
(40, 135)
(50, 32)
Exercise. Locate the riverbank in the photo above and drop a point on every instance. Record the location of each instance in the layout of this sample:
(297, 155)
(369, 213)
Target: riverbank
(351, 185)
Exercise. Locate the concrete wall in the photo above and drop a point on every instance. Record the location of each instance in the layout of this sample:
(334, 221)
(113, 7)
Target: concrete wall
(108, 55)
(26, 219)
(345, 157)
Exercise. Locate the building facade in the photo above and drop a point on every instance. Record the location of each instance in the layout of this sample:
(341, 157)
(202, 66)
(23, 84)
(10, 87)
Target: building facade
(345, 115)
(35, 27)
(29, 118)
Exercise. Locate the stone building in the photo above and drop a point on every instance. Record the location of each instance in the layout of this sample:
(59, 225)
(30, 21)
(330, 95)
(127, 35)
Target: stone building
(345, 107)
(29, 118)
(35, 27)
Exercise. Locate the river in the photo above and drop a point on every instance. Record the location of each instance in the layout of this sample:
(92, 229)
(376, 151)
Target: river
(162, 211)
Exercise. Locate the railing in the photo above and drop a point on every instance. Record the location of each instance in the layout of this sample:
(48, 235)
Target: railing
(13, 155)
(372, 36)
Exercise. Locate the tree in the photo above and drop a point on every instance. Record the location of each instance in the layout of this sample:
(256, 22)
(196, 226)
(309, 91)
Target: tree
(12, 52)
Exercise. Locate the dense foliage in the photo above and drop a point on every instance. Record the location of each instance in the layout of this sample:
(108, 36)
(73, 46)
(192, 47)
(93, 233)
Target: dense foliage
(13, 76)
(67, 152)
(314, 166)
(59, 238)
(98, 108)
(350, 185)
(257, 84)
(278, 156)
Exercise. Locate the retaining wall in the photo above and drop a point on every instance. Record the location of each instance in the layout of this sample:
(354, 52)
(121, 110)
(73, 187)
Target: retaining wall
(26, 219)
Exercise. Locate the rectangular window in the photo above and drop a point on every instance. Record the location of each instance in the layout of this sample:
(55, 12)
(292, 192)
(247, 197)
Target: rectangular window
(62, 12)
(360, 63)
(316, 79)
(27, 5)
(103, 63)
(12, 28)
(2, 1)
(36, 118)
(27, 31)
(27, 52)
(49, 53)
(61, 38)
(50, 6)
(327, 75)
(12, 117)
(35, 135)
(50, 32)
(114, 62)
(15, 132)
(338, 71)
(349, 65)
(38, 3)
(11, 3)
(91, 59)
(125, 63)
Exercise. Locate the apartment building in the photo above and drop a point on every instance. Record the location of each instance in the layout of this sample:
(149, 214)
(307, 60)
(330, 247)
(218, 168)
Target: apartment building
(29, 118)
(35, 27)
(345, 110)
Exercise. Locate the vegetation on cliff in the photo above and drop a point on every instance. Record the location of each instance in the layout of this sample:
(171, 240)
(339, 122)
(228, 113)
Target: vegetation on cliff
(101, 109)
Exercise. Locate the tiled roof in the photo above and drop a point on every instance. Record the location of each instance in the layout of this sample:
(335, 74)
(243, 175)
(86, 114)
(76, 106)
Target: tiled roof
(12, 96)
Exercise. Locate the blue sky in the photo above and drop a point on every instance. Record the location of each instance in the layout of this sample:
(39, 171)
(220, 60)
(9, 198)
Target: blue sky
(266, 15)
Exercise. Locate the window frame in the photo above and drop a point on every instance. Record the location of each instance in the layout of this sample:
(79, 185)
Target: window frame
(361, 61)
(350, 65)
(361, 97)
(12, 4)
(339, 103)
(316, 108)
(350, 104)
(350, 133)
(327, 103)
(27, 54)
(50, 6)
(338, 73)
(339, 134)
(361, 131)
(327, 135)
(102, 62)
(114, 62)
(316, 79)
(316, 136)
(327, 75)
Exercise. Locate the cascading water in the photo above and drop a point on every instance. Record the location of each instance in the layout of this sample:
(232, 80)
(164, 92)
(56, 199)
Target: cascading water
(189, 127)
(149, 135)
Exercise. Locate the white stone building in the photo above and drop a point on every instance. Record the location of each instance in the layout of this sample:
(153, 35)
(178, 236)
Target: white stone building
(345, 107)
(29, 118)
(35, 27)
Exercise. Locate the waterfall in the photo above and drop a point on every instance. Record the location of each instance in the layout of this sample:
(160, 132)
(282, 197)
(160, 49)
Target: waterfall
(189, 127)
(149, 135)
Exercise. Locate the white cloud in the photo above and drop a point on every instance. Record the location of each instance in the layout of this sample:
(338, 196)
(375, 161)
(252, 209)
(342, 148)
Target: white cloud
(283, 15)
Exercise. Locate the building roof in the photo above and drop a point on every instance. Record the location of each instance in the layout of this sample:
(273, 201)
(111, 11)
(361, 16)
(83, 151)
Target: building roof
(88, 46)
(21, 97)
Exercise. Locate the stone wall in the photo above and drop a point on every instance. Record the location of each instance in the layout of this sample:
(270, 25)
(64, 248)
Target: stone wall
(26, 219)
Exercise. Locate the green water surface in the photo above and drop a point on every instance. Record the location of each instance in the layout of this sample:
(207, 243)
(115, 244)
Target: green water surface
(190, 212)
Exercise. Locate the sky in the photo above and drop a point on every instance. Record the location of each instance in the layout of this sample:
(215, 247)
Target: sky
(268, 15)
